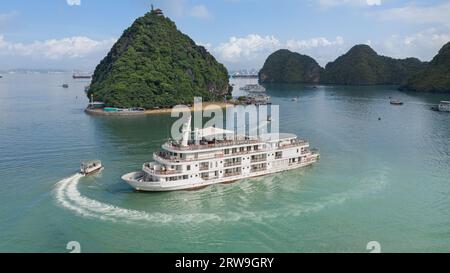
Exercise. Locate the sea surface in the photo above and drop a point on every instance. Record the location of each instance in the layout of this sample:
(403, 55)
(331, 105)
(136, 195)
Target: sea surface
(383, 175)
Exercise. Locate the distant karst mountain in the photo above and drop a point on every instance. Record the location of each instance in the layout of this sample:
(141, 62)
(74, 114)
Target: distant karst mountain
(284, 66)
(361, 65)
(436, 77)
(153, 64)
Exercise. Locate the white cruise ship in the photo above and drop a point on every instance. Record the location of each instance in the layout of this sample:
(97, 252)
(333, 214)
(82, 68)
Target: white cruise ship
(190, 164)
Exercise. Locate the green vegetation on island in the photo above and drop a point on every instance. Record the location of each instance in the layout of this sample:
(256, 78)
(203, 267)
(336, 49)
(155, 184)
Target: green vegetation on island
(153, 64)
(361, 65)
(284, 66)
(436, 77)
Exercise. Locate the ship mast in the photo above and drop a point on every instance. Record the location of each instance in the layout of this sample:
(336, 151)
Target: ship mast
(186, 132)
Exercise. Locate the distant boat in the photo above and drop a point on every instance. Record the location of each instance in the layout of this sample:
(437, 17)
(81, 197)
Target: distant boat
(1, 76)
(81, 76)
(444, 106)
(294, 99)
(251, 76)
(254, 88)
(396, 102)
(65, 85)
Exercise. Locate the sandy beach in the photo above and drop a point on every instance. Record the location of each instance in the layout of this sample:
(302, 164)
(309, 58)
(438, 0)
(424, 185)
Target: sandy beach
(100, 112)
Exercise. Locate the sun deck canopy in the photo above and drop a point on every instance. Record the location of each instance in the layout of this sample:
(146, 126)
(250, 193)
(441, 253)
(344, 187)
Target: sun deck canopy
(211, 132)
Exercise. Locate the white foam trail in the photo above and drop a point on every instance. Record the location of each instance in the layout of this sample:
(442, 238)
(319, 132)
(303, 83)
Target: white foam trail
(61, 198)
(69, 197)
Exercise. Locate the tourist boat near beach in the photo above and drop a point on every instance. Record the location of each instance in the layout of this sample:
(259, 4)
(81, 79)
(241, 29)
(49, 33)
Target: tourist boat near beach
(203, 159)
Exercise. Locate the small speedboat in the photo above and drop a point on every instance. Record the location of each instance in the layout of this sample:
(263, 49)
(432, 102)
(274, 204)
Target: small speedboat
(65, 85)
(396, 102)
(90, 167)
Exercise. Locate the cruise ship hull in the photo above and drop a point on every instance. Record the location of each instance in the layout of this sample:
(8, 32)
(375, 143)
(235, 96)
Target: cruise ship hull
(134, 179)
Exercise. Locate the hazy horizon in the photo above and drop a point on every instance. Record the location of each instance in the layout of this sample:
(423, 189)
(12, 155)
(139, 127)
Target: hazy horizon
(73, 34)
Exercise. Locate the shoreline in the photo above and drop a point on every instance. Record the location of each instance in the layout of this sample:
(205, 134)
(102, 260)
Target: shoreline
(100, 112)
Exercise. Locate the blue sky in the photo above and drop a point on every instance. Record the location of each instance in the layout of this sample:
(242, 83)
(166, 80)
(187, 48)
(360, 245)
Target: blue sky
(76, 34)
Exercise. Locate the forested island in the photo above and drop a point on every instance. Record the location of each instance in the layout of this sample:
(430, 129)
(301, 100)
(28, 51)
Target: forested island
(154, 65)
(436, 77)
(290, 67)
(361, 65)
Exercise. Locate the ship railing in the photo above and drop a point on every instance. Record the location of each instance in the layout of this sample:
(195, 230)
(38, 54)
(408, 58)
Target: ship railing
(225, 143)
(204, 168)
(231, 174)
(255, 160)
(254, 170)
(210, 177)
(294, 144)
(167, 157)
(149, 168)
(164, 157)
(231, 164)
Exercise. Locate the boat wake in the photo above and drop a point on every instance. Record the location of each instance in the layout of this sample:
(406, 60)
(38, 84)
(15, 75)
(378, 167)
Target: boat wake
(68, 196)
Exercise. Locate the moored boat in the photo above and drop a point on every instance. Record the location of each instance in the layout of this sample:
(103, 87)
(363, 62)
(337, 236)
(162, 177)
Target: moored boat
(81, 76)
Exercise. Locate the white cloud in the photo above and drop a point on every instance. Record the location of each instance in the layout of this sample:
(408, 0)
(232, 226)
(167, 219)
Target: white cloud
(418, 14)
(73, 2)
(423, 45)
(54, 49)
(335, 3)
(299, 45)
(246, 47)
(253, 49)
(373, 2)
(200, 11)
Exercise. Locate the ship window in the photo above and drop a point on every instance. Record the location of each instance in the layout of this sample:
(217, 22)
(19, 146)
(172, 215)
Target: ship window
(188, 167)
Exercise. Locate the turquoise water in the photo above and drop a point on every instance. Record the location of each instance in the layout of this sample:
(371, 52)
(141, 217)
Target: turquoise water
(382, 180)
